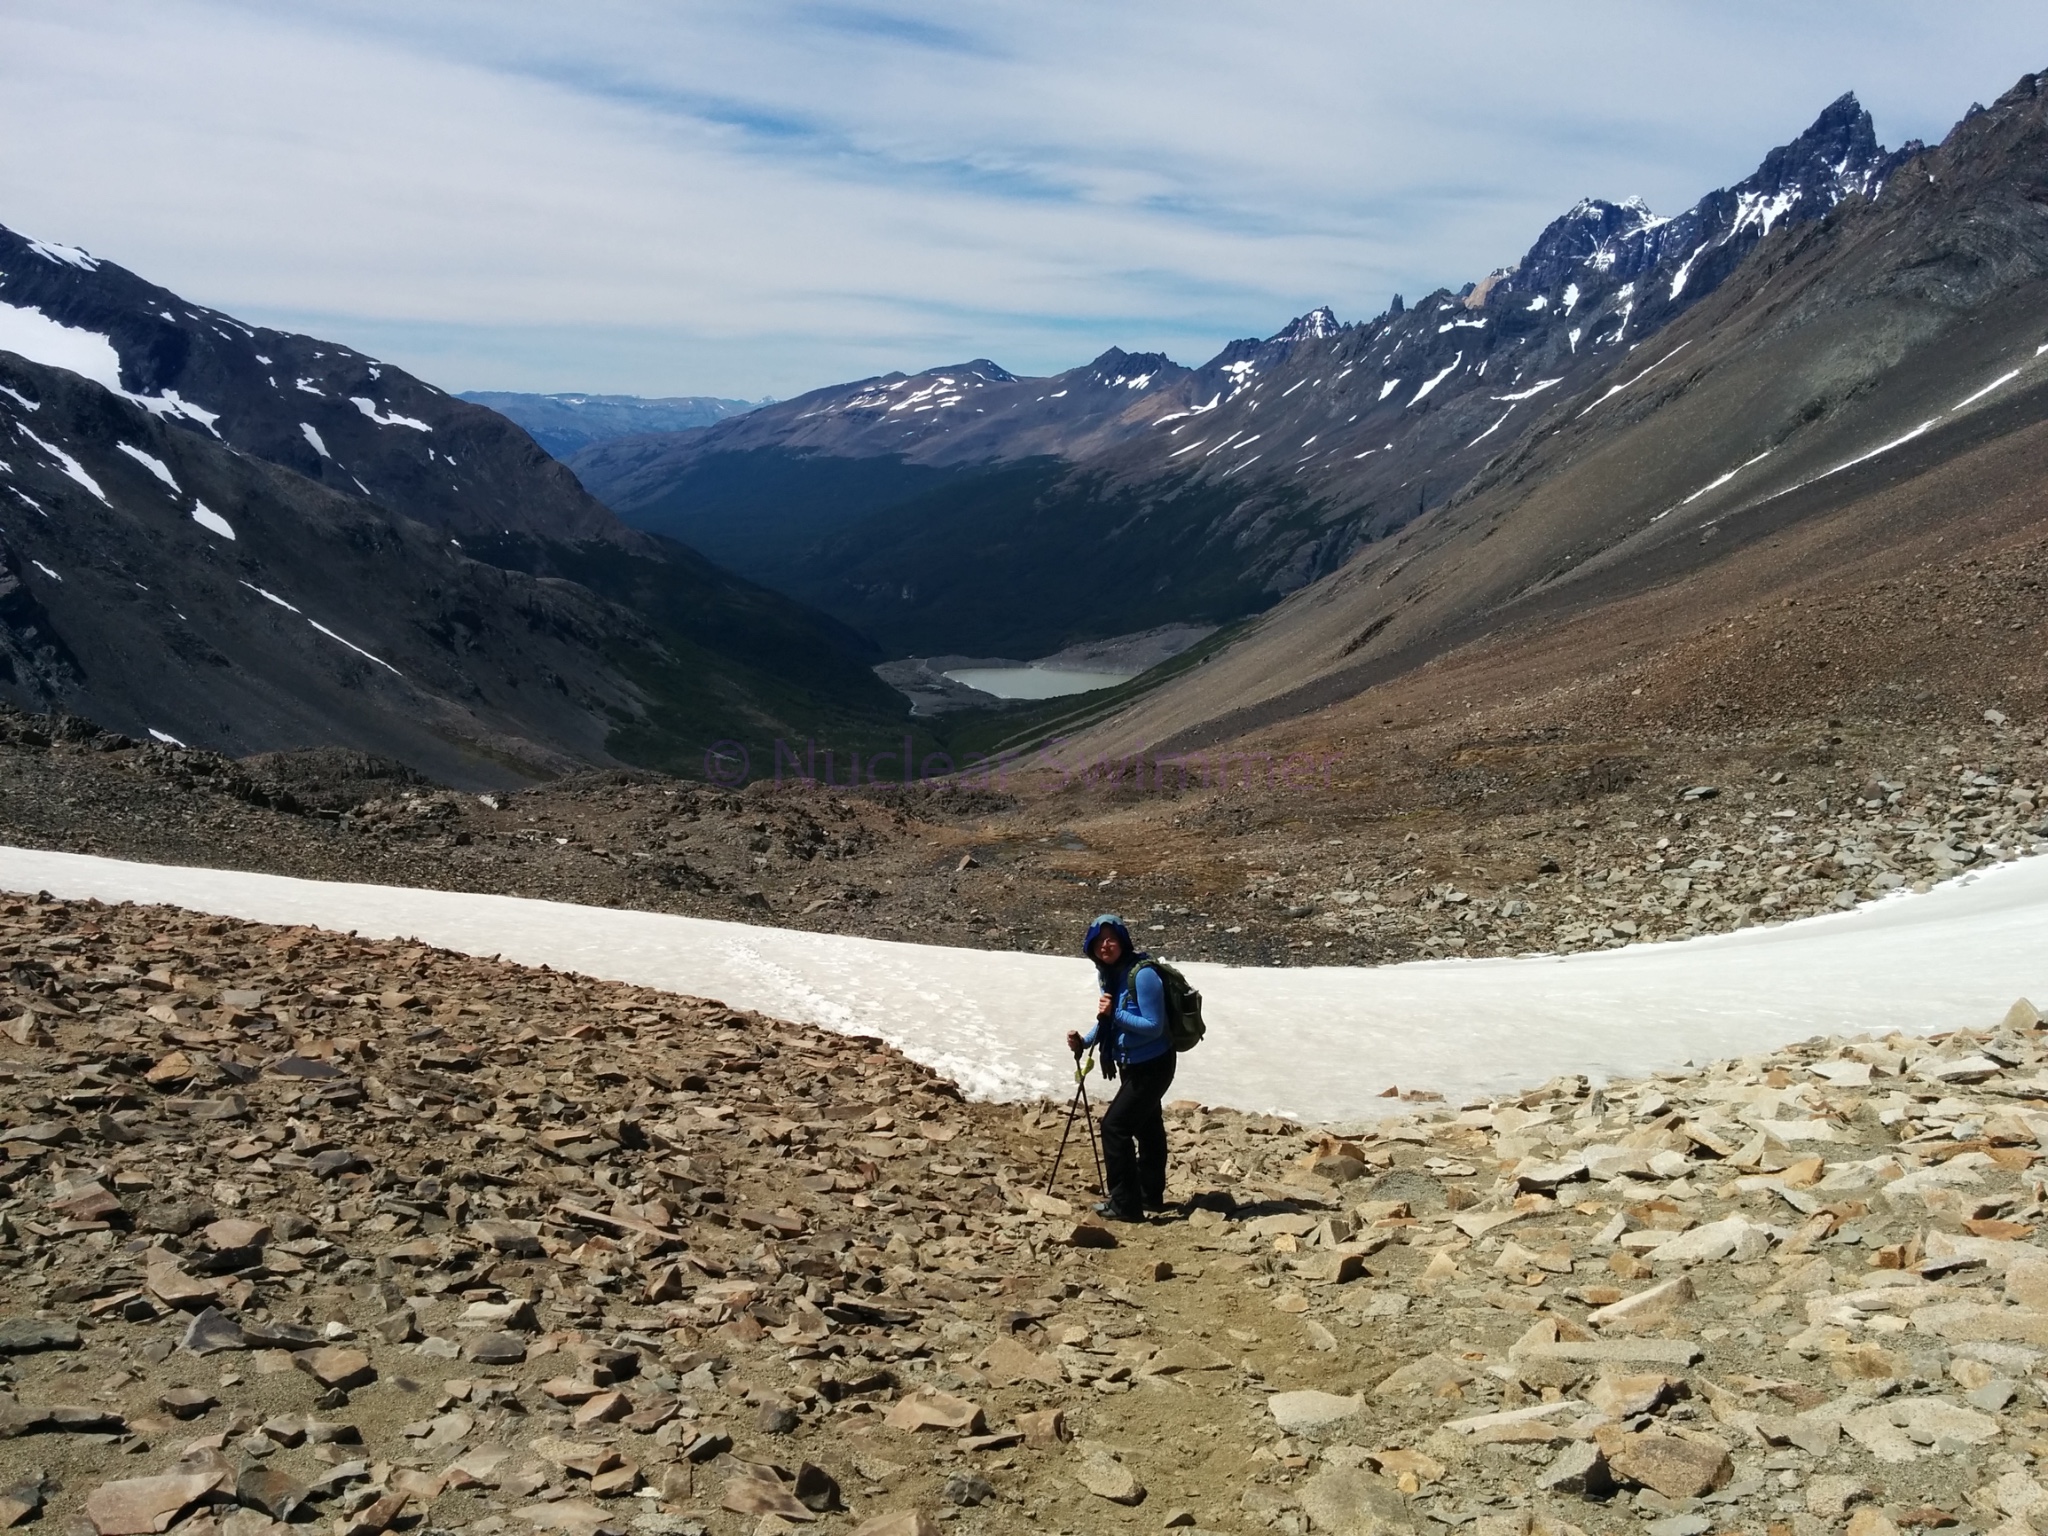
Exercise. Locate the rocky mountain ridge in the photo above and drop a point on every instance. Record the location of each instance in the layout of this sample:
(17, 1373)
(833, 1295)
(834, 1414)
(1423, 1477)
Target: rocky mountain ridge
(253, 540)
(324, 411)
(1856, 408)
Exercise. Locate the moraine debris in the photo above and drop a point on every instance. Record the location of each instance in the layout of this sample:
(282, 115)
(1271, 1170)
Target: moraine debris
(600, 1259)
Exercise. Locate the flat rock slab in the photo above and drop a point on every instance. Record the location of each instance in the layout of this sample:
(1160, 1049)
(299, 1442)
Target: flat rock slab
(174, 1288)
(928, 1408)
(274, 1334)
(590, 1459)
(1905, 1429)
(211, 1331)
(337, 1366)
(29, 1335)
(236, 1232)
(1009, 1361)
(1973, 1322)
(22, 1419)
(271, 1490)
(1187, 1355)
(20, 1502)
(496, 1349)
(762, 1495)
(1646, 1309)
(187, 1402)
(1732, 1236)
(142, 1506)
(1298, 1411)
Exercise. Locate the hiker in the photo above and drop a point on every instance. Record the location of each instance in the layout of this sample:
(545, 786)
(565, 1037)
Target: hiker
(1130, 1030)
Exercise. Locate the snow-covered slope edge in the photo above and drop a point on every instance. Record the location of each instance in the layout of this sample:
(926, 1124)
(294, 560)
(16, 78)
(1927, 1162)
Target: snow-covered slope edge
(1316, 1044)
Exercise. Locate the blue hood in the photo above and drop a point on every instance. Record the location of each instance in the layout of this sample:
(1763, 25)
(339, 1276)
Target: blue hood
(1109, 922)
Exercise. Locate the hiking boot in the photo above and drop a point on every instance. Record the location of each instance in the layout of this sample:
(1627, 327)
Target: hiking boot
(1109, 1210)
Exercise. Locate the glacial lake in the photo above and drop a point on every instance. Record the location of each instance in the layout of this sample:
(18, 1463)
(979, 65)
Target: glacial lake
(1035, 682)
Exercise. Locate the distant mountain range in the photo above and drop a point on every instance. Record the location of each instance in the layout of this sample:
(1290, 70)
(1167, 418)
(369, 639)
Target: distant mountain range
(562, 424)
(217, 533)
(1134, 491)
(241, 537)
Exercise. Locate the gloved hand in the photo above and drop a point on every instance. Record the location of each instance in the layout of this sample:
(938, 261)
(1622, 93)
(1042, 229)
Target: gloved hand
(1074, 1042)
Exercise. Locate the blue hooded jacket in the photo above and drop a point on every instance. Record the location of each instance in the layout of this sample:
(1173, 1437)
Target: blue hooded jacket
(1129, 1035)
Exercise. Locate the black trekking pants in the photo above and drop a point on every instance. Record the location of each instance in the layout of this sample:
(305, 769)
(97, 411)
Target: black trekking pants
(1134, 1136)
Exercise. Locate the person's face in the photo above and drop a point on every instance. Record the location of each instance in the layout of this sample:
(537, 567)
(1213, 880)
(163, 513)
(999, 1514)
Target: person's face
(1109, 949)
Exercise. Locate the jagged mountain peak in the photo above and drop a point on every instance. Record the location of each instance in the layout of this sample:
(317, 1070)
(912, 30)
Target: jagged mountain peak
(1580, 237)
(1844, 115)
(1830, 157)
(1602, 245)
(1117, 368)
(1317, 324)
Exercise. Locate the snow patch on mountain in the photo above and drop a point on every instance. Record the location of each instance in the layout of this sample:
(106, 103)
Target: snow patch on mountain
(270, 597)
(1449, 369)
(62, 255)
(89, 354)
(55, 345)
(150, 462)
(68, 464)
(392, 419)
(330, 634)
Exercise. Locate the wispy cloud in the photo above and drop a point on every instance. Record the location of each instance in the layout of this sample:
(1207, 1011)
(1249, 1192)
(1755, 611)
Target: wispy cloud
(756, 196)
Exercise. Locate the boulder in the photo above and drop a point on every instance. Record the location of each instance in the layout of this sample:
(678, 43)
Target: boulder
(1679, 1467)
(1108, 1478)
(1352, 1502)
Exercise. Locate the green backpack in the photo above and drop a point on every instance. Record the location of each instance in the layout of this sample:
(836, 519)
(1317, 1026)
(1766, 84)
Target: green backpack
(1184, 1026)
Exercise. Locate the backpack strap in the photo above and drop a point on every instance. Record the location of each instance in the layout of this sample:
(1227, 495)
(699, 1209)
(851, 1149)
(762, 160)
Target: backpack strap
(1131, 981)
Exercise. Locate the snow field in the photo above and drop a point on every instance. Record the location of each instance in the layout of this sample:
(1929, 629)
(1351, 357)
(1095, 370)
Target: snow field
(1318, 1044)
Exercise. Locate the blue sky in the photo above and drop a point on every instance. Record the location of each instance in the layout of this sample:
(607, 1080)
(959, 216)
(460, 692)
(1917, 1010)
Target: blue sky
(758, 197)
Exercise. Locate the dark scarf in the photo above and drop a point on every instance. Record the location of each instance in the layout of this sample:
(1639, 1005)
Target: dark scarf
(1116, 981)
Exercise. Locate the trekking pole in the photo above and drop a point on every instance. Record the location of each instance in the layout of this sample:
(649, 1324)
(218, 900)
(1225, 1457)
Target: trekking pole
(1094, 1140)
(1079, 1107)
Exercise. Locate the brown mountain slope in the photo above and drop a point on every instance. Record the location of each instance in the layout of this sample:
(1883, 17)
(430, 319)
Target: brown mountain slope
(1889, 346)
